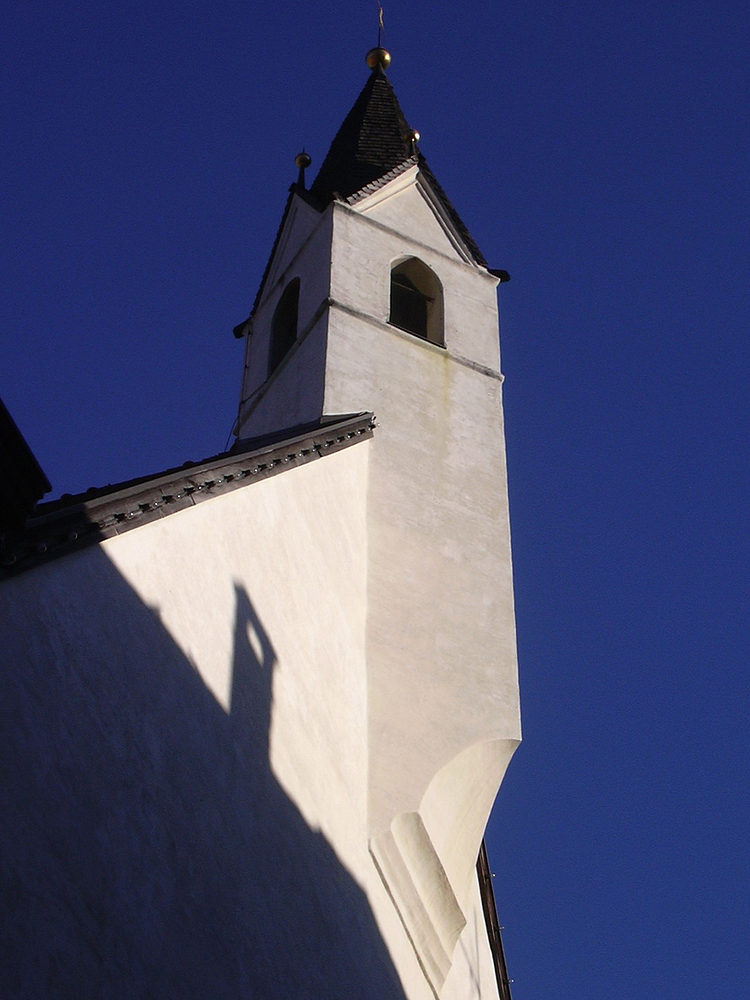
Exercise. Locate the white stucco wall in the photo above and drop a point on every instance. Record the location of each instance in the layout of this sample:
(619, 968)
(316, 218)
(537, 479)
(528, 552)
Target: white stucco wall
(260, 597)
(297, 545)
(440, 568)
(185, 706)
(443, 711)
(441, 660)
(402, 206)
(367, 239)
(472, 973)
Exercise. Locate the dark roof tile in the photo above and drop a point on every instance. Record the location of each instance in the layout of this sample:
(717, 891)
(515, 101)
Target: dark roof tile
(372, 140)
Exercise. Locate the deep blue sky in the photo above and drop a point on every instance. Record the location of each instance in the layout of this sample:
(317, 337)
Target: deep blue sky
(599, 152)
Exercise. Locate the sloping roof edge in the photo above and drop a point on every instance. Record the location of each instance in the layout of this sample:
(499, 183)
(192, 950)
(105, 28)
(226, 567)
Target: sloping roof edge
(453, 215)
(75, 522)
(295, 189)
(381, 182)
(428, 180)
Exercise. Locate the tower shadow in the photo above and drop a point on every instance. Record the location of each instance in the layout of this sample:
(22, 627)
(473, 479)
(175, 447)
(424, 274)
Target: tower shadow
(146, 848)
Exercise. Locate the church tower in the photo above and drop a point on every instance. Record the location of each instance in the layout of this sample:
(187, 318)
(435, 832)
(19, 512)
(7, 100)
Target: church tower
(377, 299)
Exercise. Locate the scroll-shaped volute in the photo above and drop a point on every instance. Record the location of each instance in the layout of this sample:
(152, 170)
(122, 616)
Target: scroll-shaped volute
(457, 804)
(417, 300)
(418, 885)
(427, 859)
(284, 325)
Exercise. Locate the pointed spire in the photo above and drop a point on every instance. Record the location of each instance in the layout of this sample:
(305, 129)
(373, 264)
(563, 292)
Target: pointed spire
(373, 139)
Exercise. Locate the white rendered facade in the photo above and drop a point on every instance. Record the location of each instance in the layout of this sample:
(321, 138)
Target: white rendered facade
(258, 739)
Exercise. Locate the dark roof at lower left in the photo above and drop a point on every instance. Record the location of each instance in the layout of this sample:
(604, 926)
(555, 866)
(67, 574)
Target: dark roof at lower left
(22, 481)
(75, 522)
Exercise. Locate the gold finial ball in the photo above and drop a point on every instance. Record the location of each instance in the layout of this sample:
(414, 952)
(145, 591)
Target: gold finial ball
(413, 136)
(378, 57)
(302, 160)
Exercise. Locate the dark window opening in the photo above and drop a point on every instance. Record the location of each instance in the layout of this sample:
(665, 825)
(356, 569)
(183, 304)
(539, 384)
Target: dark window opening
(408, 306)
(284, 325)
(417, 301)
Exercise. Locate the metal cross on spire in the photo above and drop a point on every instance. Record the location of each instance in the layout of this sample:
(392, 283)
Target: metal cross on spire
(378, 57)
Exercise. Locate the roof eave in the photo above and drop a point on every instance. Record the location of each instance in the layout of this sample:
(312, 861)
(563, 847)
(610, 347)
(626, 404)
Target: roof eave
(76, 522)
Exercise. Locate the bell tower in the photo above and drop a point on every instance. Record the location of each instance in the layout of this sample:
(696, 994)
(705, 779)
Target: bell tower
(376, 298)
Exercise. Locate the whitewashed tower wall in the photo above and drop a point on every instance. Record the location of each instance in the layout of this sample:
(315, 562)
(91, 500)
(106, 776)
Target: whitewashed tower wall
(443, 710)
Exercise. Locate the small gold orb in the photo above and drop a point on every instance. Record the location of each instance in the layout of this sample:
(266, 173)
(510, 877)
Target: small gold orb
(302, 160)
(378, 57)
(413, 136)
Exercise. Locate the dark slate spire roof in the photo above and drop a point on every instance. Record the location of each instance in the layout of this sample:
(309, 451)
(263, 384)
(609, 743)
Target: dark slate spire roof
(372, 140)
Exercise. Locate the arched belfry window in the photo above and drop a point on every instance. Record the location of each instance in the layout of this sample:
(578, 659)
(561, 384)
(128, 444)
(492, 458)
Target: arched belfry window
(417, 300)
(284, 325)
